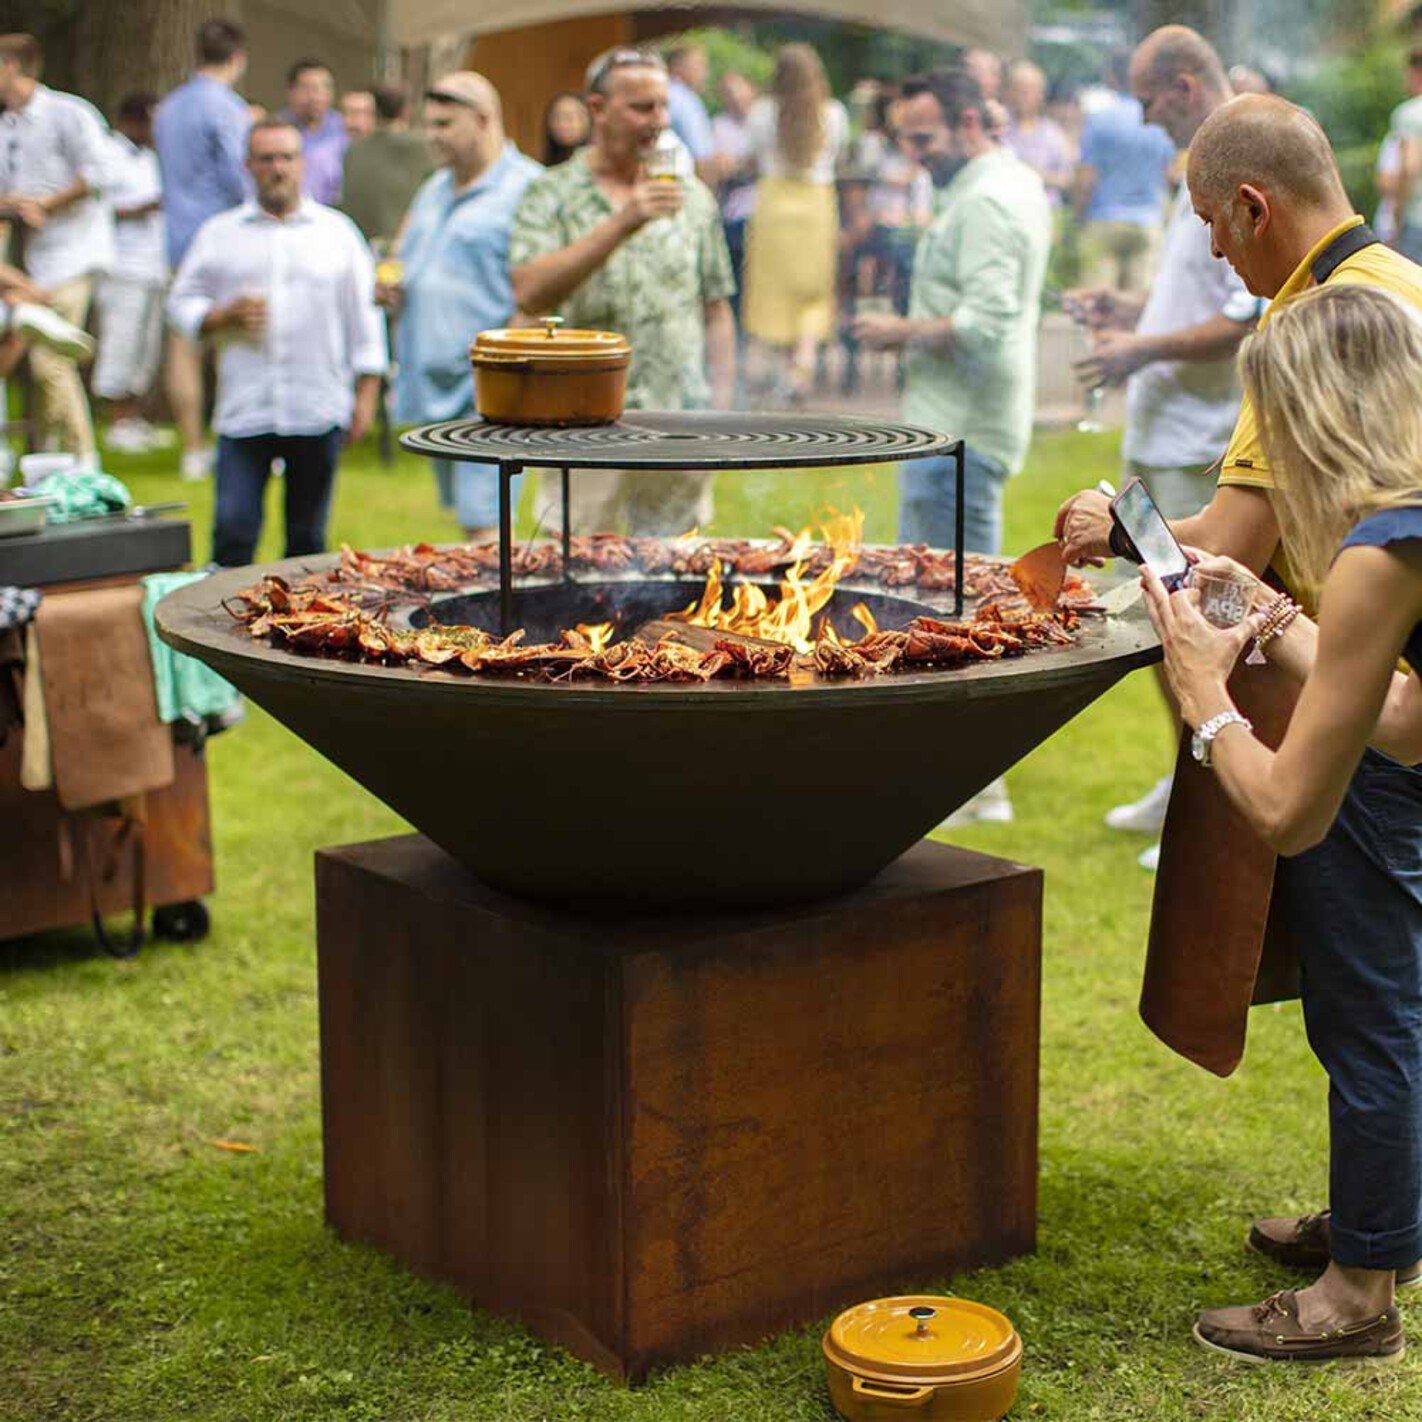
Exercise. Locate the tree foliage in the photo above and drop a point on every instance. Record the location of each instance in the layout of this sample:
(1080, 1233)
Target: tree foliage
(849, 52)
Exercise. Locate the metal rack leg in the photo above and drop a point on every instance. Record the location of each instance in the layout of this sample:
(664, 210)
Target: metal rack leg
(959, 472)
(567, 531)
(507, 473)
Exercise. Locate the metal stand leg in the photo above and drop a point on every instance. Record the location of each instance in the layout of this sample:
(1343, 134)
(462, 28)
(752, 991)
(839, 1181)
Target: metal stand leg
(385, 431)
(507, 472)
(959, 471)
(567, 532)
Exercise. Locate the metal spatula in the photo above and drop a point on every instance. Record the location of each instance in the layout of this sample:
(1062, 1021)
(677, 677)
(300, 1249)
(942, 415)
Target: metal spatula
(1039, 573)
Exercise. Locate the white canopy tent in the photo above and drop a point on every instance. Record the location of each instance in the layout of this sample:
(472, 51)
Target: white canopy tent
(1000, 25)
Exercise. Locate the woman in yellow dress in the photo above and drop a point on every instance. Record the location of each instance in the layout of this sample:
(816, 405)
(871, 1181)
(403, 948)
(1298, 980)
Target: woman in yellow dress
(796, 134)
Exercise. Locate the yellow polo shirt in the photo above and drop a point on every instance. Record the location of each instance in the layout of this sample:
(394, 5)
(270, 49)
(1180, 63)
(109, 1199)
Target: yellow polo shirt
(1377, 265)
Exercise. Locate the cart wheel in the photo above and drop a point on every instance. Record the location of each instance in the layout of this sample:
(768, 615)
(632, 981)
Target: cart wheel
(182, 923)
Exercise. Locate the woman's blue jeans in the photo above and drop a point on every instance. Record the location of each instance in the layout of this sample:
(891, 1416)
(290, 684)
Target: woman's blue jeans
(1354, 907)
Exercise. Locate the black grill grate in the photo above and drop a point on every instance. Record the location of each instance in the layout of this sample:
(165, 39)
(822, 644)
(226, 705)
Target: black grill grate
(695, 440)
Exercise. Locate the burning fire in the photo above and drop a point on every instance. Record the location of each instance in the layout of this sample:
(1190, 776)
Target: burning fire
(790, 616)
(598, 634)
(860, 614)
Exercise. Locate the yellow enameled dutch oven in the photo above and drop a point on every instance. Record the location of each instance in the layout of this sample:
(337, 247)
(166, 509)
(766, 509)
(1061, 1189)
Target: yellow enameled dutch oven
(922, 1358)
(548, 376)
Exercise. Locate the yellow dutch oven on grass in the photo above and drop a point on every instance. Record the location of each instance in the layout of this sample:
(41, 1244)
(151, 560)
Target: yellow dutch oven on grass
(924, 1358)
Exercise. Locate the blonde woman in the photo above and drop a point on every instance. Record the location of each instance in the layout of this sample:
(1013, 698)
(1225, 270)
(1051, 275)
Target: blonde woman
(1334, 376)
(796, 134)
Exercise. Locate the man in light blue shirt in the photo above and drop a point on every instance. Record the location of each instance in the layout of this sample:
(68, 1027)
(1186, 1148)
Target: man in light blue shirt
(200, 132)
(455, 281)
(686, 111)
(1120, 188)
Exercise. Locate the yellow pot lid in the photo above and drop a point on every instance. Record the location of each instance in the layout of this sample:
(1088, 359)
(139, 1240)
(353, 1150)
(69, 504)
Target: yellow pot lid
(549, 340)
(922, 1338)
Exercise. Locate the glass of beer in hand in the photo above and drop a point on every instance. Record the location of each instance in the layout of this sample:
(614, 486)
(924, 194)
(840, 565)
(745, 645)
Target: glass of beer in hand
(664, 161)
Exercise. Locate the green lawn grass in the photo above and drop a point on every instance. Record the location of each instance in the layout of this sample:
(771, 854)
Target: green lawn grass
(146, 1275)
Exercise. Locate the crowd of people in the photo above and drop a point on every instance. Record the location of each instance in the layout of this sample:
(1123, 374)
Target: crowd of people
(797, 227)
(798, 223)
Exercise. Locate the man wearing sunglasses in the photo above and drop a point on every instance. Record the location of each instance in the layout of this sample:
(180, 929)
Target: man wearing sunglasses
(608, 245)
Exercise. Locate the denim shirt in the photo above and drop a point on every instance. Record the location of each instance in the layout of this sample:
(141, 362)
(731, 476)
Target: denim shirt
(1131, 159)
(200, 132)
(456, 279)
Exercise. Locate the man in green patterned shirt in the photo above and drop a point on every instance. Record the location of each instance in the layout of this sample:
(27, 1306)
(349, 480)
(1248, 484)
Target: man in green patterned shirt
(607, 248)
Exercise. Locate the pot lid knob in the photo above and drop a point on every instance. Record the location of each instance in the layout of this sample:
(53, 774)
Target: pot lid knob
(550, 326)
(920, 1315)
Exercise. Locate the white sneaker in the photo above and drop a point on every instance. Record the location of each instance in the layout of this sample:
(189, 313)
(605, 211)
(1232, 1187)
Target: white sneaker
(1146, 815)
(48, 328)
(196, 464)
(128, 437)
(990, 805)
(1149, 859)
(152, 437)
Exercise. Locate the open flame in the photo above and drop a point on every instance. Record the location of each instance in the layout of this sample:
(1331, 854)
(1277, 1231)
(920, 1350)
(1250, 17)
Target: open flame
(598, 634)
(790, 616)
(861, 614)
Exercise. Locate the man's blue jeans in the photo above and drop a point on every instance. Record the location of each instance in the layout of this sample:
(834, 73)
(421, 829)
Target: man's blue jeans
(243, 467)
(472, 491)
(930, 502)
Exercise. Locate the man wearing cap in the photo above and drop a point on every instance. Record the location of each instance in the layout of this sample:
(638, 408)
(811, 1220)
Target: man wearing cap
(455, 281)
(605, 247)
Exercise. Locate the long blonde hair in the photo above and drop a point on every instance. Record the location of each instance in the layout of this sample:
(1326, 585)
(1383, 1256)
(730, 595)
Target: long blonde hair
(800, 90)
(1335, 376)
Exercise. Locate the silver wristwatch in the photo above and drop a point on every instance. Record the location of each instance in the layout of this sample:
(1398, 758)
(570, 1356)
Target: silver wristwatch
(1204, 738)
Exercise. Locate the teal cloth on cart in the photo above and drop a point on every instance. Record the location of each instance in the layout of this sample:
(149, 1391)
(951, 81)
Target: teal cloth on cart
(188, 690)
(86, 493)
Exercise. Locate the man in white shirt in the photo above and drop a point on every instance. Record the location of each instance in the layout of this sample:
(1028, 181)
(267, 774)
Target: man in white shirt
(130, 297)
(53, 168)
(287, 285)
(1174, 348)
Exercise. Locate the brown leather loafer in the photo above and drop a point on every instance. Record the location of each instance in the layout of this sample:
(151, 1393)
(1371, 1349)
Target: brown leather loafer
(1301, 1243)
(1269, 1332)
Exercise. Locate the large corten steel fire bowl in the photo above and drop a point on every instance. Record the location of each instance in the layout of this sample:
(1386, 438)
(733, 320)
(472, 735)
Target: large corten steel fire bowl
(718, 795)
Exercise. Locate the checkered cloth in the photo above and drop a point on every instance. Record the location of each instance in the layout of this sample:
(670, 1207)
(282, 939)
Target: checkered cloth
(18, 606)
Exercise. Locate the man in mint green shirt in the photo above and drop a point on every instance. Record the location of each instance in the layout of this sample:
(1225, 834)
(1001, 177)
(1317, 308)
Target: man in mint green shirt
(974, 306)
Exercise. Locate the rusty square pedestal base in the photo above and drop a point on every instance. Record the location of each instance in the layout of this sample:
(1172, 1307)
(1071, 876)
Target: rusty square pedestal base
(655, 1137)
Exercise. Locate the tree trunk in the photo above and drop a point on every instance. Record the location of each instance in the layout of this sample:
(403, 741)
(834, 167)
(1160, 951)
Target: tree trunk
(135, 46)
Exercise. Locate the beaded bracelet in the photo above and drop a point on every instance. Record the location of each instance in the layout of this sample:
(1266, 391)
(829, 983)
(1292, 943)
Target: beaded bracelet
(1281, 613)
